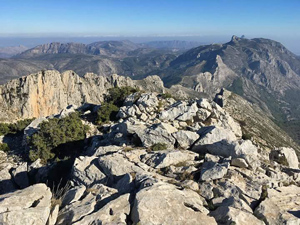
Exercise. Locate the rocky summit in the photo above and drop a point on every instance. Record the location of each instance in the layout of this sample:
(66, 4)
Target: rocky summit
(136, 155)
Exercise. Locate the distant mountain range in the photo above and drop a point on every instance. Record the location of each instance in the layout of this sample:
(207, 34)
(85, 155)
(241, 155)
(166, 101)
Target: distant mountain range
(7, 52)
(104, 48)
(103, 58)
(261, 70)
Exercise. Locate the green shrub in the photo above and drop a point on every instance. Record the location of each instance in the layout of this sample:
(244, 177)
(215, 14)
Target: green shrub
(53, 133)
(117, 95)
(159, 146)
(13, 128)
(160, 106)
(4, 147)
(166, 95)
(107, 112)
(21, 125)
(246, 136)
(185, 176)
(115, 99)
(4, 129)
(210, 205)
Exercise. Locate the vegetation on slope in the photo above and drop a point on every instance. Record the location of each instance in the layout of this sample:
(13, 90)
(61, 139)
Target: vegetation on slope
(46, 143)
(12, 128)
(63, 138)
(4, 147)
(113, 101)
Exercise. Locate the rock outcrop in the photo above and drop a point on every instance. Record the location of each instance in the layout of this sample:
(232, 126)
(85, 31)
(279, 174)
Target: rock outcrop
(29, 206)
(48, 92)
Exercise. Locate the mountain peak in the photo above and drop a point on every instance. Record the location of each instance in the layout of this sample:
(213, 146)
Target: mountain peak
(235, 38)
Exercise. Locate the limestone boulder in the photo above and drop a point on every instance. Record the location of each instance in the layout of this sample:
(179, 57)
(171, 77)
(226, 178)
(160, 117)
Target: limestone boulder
(131, 99)
(67, 111)
(116, 165)
(114, 212)
(148, 100)
(103, 150)
(204, 103)
(165, 204)
(212, 171)
(28, 206)
(285, 156)
(32, 128)
(239, 162)
(155, 134)
(73, 195)
(214, 138)
(189, 113)
(86, 171)
(20, 175)
(77, 210)
(181, 110)
(281, 206)
(185, 138)
(6, 181)
(202, 115)
(161, 159)
(230, 215)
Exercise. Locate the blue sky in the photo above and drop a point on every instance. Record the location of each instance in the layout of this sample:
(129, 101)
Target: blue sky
(145, 17)
(275, 19)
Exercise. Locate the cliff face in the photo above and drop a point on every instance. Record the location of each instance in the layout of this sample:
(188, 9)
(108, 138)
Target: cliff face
(48, 92)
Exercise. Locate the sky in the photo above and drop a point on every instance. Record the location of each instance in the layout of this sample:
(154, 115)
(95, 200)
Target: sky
(275, 19)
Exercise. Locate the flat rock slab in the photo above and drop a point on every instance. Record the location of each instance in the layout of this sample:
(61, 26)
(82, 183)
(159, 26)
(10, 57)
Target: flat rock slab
(281, 207)
(165, 204)
(114, 212)
(28, 206)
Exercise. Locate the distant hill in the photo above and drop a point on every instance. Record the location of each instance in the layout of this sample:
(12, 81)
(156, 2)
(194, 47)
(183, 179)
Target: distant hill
(103, 58)
(7, 52)
(104, 48)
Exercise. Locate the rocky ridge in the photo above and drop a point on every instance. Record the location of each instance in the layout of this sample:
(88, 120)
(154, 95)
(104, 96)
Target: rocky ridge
(164, 162)
(262, 71)
(48, 92)
(105, 48)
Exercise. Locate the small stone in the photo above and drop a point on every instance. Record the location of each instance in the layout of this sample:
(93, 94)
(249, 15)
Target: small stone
(239, 162)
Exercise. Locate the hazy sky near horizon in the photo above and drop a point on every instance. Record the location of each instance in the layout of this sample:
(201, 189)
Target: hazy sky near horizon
(275, 19)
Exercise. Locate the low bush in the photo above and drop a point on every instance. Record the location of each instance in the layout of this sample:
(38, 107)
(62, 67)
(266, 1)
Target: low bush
(159, 146)
(113, 101)
(185, 176)
(53, 133)
(117, 95)
(160, 106)
(12, 128)
(4, 147)
(4, 129)
(166, 95)
(107, 112)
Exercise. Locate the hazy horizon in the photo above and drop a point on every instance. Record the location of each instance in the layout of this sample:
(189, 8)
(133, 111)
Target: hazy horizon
(30, 42)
